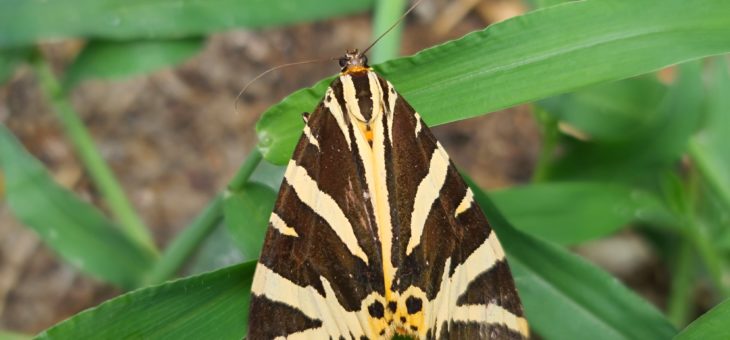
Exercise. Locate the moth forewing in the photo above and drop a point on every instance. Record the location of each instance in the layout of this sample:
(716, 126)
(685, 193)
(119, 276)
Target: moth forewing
(375, 233)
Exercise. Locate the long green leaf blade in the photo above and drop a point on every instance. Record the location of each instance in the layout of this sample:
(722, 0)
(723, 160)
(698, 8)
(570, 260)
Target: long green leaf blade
(709, 146)
(73, 228)
(556, 286)
(113, 59)
(24, 22)
(530, 57)
(208, 306)
(574, 212)
(710, 326)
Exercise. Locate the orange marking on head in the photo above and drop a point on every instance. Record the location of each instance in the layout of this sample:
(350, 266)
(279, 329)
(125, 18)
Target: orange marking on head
(356, 69)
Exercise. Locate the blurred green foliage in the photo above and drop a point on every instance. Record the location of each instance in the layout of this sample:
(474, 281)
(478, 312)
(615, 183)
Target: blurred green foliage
(621, 149)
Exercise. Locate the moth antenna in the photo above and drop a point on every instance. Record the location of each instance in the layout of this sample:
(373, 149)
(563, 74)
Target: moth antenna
(235, 105)
(397, 22)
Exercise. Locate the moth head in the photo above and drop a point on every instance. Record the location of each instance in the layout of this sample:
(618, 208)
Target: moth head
(353, 61)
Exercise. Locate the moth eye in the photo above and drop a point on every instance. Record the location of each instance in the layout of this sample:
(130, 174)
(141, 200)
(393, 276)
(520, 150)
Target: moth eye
(343, 62)
(413, 305)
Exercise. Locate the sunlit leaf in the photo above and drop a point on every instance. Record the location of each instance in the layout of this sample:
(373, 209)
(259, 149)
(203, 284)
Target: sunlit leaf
(209, 306)
(530, 57)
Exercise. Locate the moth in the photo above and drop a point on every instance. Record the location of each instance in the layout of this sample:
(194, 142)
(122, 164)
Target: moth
(374, 232)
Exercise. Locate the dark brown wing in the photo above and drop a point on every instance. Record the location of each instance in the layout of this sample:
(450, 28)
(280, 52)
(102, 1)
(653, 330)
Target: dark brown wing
(452, 277)
(320, 266)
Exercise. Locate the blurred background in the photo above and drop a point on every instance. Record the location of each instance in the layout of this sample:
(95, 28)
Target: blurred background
(174, 140)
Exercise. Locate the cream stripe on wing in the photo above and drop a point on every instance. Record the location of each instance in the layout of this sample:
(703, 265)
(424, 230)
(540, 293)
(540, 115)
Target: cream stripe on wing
(375, 173)
(310, 137)
(336, 321)
(324, 205)
(491, 314)
(443, 306)
(392, 98)
(312, 333)
(376, 96)
(466, 202)
(349, 92)
(418, 124)
(427, 192)
(336, 110)
(281, 226)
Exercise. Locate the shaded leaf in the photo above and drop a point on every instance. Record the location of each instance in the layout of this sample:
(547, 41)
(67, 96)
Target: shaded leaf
(114, 59)
(247, 217)
(556, 286)
(9, 59)
(24, 22)
(208, 306)
(268, 174)
(499, 66)
(709, 147)
(4, 335)
(570, 213)
(710, 326)
(609, 112)
(73, 228)
(655, 148)
(217, 251)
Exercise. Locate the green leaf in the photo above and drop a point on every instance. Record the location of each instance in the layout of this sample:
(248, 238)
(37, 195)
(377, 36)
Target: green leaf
(556, 286)
(570, 213)
(609, 112)
(268, 174)
(710, 326)
(217, 251)
(247, 217)
(530, 57)
(73, 228)
(656, 147)
(24, 22)
(9, 59)
(112, 59)
(209, 306)
(709, 147)
(5, 335)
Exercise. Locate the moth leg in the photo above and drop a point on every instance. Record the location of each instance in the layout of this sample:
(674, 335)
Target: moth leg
(305, 117)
